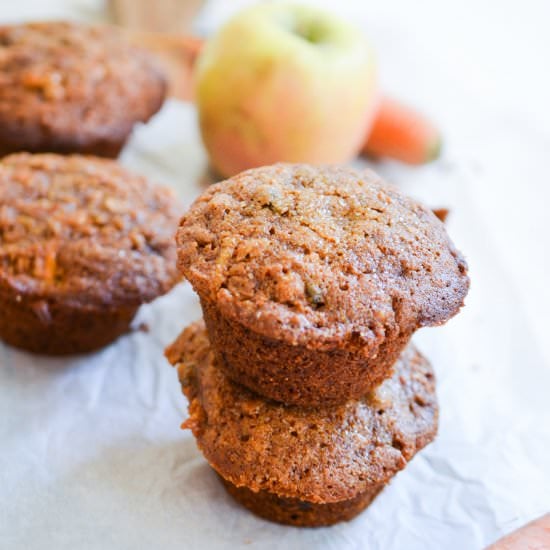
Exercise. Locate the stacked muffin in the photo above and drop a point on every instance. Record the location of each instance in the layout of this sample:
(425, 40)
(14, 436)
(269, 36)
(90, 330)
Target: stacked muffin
(304, 393)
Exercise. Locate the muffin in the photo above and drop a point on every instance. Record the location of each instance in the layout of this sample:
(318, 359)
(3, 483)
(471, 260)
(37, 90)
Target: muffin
(313, 279)
(71, 88)
(297, 465)
(83, 243)
(299, 513)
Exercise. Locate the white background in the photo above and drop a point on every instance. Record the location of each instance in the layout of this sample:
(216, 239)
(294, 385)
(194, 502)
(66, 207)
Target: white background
(91, 455)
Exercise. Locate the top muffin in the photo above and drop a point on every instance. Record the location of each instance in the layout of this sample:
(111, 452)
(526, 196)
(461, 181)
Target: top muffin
(318, 256)
(66, 87)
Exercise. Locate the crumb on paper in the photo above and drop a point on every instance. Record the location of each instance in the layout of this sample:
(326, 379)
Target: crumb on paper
(143, 327)
(441, 213)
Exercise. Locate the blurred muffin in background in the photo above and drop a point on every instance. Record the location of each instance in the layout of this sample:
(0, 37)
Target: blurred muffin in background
(72, 88)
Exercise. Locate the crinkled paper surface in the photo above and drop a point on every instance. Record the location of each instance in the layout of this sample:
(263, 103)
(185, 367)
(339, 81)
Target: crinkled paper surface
(91, 453)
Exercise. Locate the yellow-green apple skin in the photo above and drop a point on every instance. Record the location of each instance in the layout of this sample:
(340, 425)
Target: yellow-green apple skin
(284, 82)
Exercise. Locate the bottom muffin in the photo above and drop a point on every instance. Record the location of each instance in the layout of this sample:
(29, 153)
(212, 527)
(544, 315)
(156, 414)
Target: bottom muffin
(276, 459)
(300, 513)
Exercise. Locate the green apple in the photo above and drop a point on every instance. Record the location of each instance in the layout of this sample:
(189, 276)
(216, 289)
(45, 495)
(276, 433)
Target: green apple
(285, 82)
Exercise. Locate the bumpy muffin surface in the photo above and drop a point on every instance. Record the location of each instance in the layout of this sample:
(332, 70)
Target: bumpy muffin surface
(66, 87)
(317, 455)
(84, 232)
(320, 256)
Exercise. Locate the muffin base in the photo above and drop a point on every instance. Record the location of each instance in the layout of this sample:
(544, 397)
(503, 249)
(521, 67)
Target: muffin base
(296, 375)
(100, 148)
(299, 513)
(54, 329)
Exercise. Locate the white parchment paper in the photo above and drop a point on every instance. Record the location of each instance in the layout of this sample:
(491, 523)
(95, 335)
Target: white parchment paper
(91, 454)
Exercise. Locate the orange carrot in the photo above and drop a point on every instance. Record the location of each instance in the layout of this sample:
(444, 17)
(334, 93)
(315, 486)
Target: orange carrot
(401, 133)
(533, 536)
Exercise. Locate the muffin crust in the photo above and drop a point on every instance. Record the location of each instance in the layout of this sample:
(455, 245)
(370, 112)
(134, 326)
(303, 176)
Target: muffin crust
(316, 255)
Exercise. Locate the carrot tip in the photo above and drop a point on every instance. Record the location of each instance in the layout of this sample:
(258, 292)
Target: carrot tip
(434, 151)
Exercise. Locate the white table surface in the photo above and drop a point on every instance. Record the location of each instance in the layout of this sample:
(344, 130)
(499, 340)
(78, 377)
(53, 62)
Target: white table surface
(91, 455)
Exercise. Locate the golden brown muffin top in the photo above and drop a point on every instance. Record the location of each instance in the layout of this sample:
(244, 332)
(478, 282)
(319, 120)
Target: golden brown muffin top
(320, 256)
(62, 80)
(84, 230)
(318, 455)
